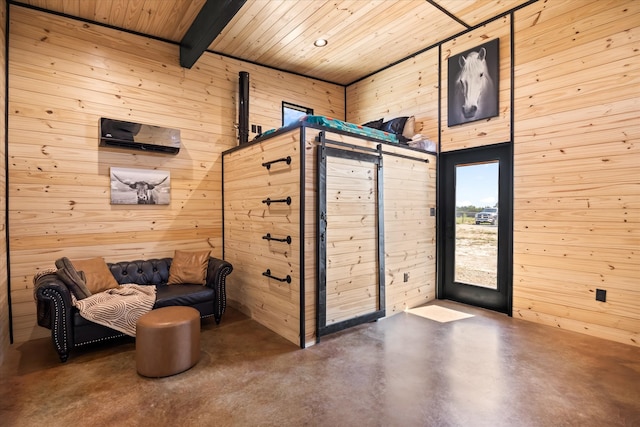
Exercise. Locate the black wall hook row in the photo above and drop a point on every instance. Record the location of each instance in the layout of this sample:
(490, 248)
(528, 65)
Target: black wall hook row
(268, 201)
(268, 237)
(268, 274)
(287, 160)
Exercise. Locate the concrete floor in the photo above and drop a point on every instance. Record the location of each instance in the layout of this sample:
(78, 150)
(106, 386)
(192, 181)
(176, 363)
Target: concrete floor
(487, 370)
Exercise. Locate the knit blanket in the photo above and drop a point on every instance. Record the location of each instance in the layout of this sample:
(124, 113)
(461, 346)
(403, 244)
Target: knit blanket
(118, 308)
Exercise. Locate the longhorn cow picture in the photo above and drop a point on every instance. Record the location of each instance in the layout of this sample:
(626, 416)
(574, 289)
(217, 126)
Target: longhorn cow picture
(140, 187)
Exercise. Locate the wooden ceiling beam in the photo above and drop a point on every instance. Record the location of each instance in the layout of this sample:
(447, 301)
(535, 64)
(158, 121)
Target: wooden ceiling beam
(213, 17)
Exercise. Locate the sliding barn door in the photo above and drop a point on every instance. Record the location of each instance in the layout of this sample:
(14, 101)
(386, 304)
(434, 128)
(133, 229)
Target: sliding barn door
(350, 246)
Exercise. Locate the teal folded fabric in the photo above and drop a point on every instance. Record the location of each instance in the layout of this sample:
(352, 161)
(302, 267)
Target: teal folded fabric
(352, 128)
(345, 126)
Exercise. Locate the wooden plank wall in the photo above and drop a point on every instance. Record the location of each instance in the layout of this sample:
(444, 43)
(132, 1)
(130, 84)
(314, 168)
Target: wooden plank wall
(247, 219)
(576, 107)
(577, 157)
(64, 76)
(407, 89)
(351, 239)
(4, 290)
(576, 130)
(409, 230)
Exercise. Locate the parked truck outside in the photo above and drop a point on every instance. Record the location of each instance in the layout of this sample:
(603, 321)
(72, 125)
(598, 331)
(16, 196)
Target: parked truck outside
(488, 215)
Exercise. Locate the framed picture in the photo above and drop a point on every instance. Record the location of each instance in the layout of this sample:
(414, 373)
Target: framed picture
(473, 84)
(140, 187)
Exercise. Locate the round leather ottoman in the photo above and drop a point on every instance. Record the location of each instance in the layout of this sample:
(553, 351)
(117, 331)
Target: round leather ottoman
(167, 341)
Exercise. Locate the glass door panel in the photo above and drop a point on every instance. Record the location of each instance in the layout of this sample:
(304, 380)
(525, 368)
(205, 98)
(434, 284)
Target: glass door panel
(476, 226)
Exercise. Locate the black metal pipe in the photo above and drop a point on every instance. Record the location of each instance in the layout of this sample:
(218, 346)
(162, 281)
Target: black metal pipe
(243, 112)
(287, 160)
(268, 236)
(268, 201)
(279, 279)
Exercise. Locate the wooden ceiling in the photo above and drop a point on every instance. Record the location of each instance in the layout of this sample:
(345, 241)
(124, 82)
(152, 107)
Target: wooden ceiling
(363, 36)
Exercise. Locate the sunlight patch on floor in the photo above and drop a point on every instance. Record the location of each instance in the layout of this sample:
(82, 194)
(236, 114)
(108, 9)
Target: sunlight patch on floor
(439, 314)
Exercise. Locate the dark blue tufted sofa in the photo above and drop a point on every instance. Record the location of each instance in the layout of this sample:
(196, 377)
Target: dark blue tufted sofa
(70, 330)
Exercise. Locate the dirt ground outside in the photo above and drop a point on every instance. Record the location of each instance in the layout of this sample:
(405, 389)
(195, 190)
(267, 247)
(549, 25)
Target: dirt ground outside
(476, 259)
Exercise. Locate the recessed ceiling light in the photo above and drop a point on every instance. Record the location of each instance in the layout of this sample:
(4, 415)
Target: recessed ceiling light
(320, 43)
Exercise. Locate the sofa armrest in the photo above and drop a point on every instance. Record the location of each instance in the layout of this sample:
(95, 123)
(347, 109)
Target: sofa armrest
(54, 311)
(217, 272)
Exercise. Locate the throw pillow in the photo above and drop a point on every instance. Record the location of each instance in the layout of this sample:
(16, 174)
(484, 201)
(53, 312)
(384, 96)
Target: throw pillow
(189, 267)
(71, 277)
(409, 127)
(97, 274)
(395, 126)
(375, 124)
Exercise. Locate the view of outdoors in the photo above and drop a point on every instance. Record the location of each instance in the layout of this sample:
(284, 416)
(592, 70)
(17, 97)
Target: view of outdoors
(291, 113)
(476, 248)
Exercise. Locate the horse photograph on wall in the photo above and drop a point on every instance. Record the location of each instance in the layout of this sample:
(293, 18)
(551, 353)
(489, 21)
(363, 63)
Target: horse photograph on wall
(140, 187)
(473, 84)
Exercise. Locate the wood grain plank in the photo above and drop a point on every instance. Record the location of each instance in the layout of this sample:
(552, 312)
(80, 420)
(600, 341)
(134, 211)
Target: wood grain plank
(68, 75)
